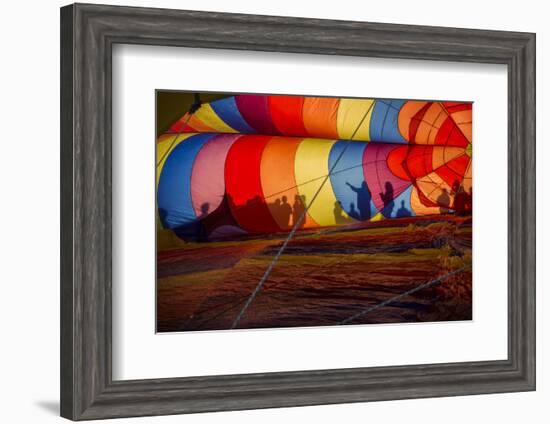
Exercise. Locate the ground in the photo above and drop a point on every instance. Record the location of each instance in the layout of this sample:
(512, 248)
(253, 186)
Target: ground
(323, 277)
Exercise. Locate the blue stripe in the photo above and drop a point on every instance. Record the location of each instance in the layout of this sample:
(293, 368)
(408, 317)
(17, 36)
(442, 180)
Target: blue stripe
(384, 122)
(228, 111)
(348, 180)
(174, 190)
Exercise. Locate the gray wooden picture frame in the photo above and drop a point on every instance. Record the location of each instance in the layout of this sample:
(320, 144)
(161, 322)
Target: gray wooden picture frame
(88, 33)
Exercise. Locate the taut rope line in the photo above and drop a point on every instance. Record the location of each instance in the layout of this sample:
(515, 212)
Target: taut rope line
(399, 296)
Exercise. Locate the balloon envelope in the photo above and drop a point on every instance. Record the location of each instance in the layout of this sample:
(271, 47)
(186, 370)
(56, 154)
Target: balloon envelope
(254, 164)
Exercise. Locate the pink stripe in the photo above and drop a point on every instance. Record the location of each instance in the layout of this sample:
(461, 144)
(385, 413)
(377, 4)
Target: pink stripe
(207, 179)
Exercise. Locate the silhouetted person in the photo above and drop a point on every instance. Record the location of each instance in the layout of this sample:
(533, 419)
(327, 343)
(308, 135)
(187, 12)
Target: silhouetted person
(454, 191)
(469, 202)
(387, 199)
(339, 213)
(460, 202)
(221, 216)
(354, 213)
(275, 209)
(298, 209)
(285, 210)
(363, 200)
(444, 201)
(455, 187)
(403, 212)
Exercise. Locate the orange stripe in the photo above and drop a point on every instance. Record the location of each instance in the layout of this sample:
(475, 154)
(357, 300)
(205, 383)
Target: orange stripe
(406, 115)
(199, 126)
(320, 116)
(278, 180)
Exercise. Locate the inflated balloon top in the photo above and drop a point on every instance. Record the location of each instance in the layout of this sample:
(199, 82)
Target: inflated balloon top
(253, 164)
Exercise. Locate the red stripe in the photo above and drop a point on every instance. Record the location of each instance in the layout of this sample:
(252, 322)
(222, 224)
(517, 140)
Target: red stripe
(243, 185)
(450, 135)
(419, 161)
(180, 126)
(286, 113)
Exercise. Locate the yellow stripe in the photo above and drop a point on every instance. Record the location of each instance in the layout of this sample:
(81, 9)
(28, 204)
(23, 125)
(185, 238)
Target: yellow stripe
(350, 114)
(311, 169)
(377, 217)
(165, 144)
(207, 115)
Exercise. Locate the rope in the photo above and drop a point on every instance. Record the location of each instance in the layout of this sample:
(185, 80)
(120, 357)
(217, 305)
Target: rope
(297, 225)
(400, 296)
(234, 303)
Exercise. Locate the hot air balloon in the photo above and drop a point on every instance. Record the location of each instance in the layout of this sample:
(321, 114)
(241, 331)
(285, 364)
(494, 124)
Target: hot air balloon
(254, 164)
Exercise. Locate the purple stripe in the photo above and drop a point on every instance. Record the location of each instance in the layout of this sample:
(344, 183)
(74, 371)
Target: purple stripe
(255, 111)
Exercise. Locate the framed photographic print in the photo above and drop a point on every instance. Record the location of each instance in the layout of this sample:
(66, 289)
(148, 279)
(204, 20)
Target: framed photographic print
(263, 211)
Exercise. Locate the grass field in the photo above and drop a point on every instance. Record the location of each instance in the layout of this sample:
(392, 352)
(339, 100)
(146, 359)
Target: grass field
(322, 278)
